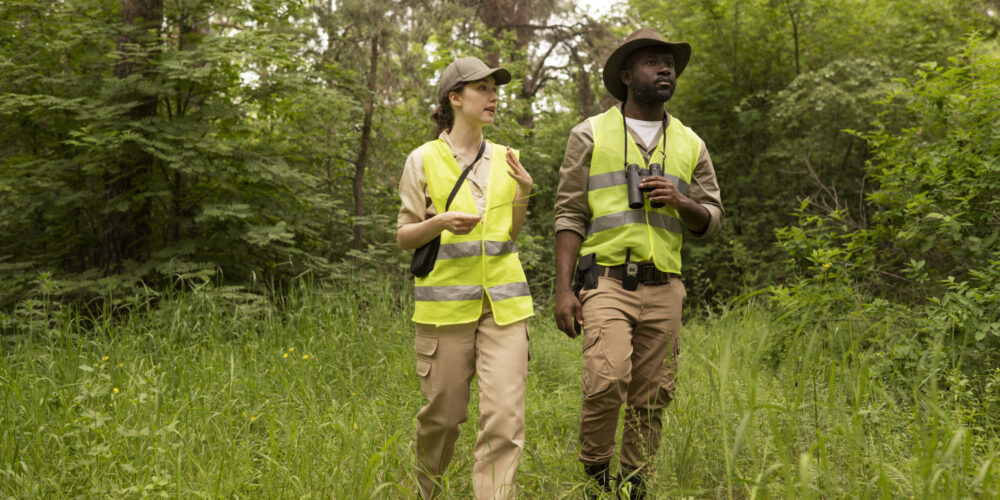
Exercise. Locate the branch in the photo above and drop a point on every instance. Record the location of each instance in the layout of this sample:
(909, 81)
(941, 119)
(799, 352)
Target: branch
(812, 173)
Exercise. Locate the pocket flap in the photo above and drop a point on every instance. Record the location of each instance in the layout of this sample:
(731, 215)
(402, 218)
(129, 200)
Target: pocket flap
(589, 340)
(425, 345)
(423, 367)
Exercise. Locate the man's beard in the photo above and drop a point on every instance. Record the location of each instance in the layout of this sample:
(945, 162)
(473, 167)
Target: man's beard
(649, 93)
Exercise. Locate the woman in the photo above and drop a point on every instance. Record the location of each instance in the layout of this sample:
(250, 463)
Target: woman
(471, 309)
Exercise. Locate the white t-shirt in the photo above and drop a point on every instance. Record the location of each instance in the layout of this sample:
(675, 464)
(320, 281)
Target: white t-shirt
(646, 130)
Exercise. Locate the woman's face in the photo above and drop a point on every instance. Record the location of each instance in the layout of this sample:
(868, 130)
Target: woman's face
(477, 102)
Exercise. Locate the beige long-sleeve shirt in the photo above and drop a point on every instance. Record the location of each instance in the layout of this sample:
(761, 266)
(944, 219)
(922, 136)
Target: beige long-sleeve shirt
(415, 200)
(572, 210)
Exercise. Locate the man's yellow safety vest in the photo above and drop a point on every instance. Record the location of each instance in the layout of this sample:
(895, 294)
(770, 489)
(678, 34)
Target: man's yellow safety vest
(485, 259)
(651, 233)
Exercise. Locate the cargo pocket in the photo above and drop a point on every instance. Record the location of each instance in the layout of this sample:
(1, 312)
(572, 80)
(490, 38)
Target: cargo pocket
(527, 338)
(595, 367)
(425, 347)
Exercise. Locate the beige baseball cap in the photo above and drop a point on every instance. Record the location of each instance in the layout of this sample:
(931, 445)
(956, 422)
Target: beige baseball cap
(468, 69)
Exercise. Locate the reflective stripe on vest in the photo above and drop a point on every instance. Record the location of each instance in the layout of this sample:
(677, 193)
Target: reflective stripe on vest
(650, 233)
(617, 178)
(611, 221)
(474, 248)
(483, 261)
(470, 292)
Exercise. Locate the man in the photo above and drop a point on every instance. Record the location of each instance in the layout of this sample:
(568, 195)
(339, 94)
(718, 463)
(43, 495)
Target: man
(627, 251)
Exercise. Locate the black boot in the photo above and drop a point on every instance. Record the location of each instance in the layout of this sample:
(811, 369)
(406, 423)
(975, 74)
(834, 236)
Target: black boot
(600, 480)
(636, 483)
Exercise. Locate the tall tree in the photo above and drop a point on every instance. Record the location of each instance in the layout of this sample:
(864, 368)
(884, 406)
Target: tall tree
(126, 222)
(366, 137)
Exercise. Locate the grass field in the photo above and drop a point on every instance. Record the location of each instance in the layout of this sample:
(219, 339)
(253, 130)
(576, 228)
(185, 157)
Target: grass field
(314, 396)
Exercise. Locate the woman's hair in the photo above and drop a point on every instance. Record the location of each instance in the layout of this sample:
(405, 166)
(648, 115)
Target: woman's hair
(443, 115)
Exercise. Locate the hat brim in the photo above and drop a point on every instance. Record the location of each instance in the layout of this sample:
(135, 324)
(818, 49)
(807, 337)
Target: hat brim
(500, 75)
(613, 67)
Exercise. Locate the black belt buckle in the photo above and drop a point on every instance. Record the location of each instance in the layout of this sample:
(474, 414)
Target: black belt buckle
(630, 281)
(647, 274)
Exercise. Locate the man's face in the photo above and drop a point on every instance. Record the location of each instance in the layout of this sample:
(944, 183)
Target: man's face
(649, 74)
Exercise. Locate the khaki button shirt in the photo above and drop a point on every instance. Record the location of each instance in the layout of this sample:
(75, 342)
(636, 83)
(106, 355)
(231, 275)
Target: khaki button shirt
(415, 200)
(572, 211)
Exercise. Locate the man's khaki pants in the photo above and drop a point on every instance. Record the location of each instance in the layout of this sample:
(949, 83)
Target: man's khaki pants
(447, 358)
(630, 346)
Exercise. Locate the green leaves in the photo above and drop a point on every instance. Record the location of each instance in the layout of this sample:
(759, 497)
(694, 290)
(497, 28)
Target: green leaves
(930, 243)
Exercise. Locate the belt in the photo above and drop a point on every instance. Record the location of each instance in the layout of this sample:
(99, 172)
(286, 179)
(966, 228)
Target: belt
(648, 274)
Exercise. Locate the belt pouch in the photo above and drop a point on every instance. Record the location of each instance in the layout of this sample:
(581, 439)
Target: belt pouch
(585, 273)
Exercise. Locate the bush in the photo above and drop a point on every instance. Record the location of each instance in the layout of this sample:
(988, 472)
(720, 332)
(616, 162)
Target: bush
(929, 246)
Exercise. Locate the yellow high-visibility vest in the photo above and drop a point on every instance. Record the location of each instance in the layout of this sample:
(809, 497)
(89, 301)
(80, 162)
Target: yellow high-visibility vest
(484, 260)
(651, 233)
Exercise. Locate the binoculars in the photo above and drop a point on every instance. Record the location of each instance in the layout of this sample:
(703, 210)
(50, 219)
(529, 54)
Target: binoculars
(633, 177)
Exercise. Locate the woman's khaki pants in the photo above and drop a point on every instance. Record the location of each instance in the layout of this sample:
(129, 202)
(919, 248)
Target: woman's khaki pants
(447, 358)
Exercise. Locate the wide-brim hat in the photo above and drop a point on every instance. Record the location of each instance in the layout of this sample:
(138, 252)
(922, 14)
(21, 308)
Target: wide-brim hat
(642, 37)
(468, 69)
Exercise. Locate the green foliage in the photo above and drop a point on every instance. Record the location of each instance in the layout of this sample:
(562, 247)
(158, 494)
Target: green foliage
(927, 256)
(771, 88)
(223, 190)
(313, 389)
(245, 171)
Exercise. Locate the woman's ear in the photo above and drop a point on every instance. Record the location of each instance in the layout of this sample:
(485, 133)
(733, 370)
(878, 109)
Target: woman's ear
(455, 99)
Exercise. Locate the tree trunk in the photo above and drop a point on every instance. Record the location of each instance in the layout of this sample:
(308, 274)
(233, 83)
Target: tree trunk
(366, 135)
(126, 224)
(793, 17)
(584, 92)
(189, 36)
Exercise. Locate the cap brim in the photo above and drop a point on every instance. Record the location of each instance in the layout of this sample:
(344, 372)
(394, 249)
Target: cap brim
(613, 67)
(500, 75)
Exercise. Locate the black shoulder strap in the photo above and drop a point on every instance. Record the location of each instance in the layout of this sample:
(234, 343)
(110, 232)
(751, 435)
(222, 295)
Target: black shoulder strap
(465, 173)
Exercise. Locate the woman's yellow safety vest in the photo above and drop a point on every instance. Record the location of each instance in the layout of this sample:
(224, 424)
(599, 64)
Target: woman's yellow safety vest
(651, 233)
(485, 259)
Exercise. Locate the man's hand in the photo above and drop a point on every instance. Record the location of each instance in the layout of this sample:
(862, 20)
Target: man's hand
(568, 312)
(695, 216)
(567, 307)
(664, 191)
(457, 222)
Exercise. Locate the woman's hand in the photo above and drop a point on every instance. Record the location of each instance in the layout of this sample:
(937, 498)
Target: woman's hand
(518, 173)
(457, 222)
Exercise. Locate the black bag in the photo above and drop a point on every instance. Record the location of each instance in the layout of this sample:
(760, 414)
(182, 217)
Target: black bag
(425, 256)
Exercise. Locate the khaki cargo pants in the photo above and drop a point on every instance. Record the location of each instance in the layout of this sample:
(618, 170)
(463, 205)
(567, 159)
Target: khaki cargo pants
(447, 358)
(630, 347)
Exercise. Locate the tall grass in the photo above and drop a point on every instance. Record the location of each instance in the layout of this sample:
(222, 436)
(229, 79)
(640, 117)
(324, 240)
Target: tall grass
(314, 395)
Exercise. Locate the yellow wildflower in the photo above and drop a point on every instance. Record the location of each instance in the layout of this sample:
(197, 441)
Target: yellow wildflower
(105, 358)
(253, 418)
(244, 414)
(291, 349)
(305, 356)
(284, 355)
(121, 365)
(115, 389)
(826, 265)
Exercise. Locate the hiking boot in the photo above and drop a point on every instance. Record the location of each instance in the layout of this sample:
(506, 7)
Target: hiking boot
(599, 480)
(631, 482)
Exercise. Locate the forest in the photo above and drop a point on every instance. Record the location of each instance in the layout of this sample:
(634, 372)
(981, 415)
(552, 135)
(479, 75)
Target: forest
(190, 190)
